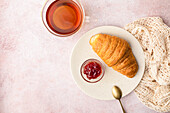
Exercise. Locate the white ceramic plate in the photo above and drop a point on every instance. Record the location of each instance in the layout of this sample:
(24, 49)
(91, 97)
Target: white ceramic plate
(102, 89)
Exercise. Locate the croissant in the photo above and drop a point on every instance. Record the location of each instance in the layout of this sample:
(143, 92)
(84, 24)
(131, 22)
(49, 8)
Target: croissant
(116, 53)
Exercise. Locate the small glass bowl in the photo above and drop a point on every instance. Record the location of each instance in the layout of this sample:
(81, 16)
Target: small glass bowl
(84, 76)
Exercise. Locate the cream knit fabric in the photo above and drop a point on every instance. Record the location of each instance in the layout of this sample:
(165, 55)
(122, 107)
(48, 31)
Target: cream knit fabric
(154, 37)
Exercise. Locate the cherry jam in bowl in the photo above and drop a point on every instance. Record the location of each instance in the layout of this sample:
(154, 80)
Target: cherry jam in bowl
(92, 70)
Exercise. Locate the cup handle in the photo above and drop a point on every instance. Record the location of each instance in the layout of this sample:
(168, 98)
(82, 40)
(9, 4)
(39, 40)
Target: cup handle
(87, 19)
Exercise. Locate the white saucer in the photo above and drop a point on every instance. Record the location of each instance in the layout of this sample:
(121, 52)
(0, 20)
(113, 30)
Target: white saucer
(102, 89)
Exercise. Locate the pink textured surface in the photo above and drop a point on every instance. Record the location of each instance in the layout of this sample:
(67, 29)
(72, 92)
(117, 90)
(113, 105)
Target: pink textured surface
(35, 75)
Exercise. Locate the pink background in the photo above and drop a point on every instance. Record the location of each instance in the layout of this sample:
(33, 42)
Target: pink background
(35, 74)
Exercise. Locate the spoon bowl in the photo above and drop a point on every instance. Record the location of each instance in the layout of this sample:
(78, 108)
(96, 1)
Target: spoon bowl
(116, 92)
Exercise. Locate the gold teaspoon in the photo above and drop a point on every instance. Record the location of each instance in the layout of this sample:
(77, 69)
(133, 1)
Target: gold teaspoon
(117, 94)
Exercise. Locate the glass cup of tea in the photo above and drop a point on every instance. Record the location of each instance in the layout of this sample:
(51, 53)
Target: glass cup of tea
(63, 17)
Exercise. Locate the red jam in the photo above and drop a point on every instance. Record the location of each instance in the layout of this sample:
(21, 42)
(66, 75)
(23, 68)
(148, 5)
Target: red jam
(92, 70)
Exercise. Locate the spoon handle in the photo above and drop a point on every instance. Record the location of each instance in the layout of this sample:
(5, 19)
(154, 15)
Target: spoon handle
(122, 106)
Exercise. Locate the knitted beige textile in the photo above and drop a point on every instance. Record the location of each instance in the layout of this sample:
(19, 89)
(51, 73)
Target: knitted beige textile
(154, 37)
